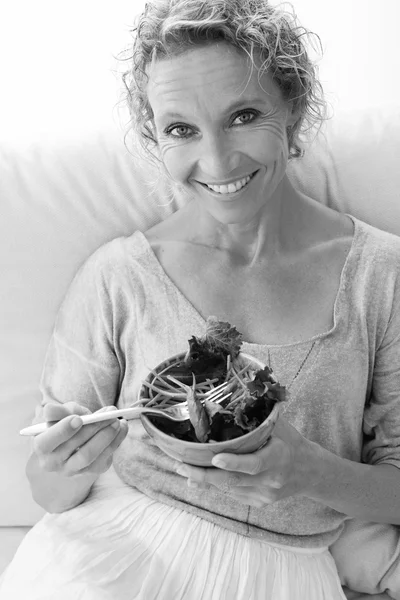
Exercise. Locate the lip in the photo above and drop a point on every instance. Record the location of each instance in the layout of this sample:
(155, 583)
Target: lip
(229, 194)
(228, 181)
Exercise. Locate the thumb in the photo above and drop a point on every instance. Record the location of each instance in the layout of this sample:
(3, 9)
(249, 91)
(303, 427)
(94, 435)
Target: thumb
(56, 412)
(107, 408)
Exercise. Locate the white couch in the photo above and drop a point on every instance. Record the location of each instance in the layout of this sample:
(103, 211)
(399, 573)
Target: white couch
(60, 200)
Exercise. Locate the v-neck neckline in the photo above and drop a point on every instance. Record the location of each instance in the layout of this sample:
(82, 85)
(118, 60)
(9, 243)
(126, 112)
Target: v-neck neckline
(248, 346)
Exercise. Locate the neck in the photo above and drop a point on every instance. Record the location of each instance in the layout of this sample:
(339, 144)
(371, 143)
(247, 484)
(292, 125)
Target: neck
(266, 235)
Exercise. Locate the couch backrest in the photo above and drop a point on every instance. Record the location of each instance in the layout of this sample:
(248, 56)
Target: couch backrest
(62, 200)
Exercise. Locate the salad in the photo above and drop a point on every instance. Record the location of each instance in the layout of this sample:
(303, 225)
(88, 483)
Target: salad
(211, 360)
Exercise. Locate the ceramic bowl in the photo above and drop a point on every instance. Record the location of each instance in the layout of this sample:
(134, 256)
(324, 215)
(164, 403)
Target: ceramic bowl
(198, 454)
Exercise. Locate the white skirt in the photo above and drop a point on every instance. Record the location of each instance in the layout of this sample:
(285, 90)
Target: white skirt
(121, 545)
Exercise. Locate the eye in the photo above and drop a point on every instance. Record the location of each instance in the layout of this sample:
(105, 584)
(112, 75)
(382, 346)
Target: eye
(246, 116)
(183, 131)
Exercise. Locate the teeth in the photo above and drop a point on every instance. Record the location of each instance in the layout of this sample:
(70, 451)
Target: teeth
(231, 187)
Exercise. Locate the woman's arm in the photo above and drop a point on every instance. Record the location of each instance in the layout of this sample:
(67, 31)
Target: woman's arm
(367, 492)
(55, 492)
(67, 459)
(81, 374)
(291, 465)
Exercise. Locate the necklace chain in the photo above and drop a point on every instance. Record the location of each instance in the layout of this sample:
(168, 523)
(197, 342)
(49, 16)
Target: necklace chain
(299, 369)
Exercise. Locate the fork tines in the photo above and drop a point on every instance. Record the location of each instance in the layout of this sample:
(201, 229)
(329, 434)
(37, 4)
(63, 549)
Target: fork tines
(214, 394)
(221, 386)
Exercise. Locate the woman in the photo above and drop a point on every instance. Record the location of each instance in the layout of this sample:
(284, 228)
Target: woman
(220, 93)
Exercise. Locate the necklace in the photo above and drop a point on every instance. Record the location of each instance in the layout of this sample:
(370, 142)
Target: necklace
(299, 369)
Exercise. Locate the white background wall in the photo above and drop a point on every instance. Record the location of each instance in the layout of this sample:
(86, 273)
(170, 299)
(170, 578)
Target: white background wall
(56, 59)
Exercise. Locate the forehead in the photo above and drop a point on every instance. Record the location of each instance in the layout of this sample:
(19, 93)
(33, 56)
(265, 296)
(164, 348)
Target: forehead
(212, 75)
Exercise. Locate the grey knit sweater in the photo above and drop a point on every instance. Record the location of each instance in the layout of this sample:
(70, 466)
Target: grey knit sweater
(122, 316)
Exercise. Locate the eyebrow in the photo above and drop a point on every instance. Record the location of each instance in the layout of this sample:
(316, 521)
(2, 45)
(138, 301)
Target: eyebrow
(244, 102)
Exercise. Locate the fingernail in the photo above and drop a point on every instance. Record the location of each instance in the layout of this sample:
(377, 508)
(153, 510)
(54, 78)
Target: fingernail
(182, 471)
(192, 484)
(219, 462)
(115, 425)
(76, 422)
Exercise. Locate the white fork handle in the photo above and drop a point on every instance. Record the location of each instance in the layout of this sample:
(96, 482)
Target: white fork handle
(127, 413)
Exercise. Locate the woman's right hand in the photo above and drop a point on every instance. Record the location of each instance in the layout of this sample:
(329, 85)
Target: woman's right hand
(69, 450)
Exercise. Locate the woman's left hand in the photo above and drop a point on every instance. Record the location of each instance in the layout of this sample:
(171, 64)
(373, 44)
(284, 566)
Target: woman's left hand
(282, 468)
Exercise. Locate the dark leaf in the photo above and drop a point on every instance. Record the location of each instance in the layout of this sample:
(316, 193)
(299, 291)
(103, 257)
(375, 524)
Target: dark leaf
(221, 335)
(198, 416)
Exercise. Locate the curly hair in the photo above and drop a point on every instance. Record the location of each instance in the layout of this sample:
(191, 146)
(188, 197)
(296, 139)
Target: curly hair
(170, 27)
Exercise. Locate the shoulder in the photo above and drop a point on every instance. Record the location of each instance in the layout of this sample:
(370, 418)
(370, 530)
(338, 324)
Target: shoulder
(115, 254)
(382, 238)
(174, 227)
(375, 276)
(106, 271)
(324, 225)
(380, 249)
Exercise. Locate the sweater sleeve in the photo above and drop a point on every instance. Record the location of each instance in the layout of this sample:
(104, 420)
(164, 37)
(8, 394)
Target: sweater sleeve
(81, 364)
(382, 413)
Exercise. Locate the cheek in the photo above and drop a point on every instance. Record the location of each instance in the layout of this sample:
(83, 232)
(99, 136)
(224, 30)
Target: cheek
(175, 161)
(266, 142)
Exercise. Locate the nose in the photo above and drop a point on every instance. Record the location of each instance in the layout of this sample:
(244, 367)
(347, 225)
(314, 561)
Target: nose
(217, 158)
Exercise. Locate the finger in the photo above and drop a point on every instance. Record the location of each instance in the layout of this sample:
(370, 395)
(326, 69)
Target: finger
(244, 463)
(53, 439)
(82, 436)
(55, 412)
(93, 448)
(57, 434)
(223, 480)
(107, 408)
(252, 463)
(110, 408)
(104, 461)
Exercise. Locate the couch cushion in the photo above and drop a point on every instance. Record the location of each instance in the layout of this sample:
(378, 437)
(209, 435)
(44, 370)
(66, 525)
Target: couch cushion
(61, 200)
(354, 166)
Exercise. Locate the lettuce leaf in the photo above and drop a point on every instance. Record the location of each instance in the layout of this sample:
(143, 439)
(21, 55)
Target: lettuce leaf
(205, 359)
(252, 411)
(198, 415)
(221, 336)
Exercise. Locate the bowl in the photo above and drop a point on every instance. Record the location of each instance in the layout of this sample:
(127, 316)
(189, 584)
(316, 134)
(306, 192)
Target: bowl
(199, 454)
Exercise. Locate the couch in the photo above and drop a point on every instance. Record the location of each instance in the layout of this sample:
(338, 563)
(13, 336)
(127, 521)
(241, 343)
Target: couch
(63, 198)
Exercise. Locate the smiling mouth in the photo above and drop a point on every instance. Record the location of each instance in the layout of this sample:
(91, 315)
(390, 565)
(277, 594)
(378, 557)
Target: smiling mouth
(231, 188)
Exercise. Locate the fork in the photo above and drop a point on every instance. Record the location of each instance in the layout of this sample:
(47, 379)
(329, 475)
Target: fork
(177, 412)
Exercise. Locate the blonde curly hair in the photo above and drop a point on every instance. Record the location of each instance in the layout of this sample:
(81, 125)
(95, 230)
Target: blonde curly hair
(170, 27)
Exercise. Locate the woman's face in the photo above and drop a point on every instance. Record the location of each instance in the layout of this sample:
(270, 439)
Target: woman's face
(221, 133)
